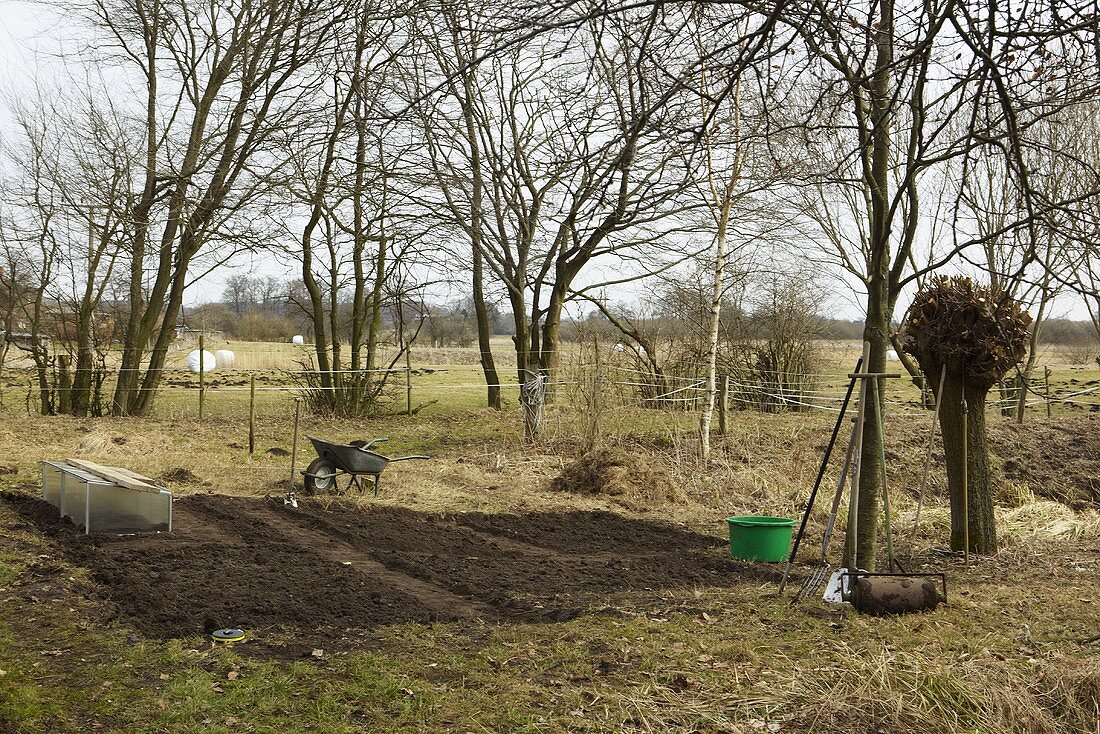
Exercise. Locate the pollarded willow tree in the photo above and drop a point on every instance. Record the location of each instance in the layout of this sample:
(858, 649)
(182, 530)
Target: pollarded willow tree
(972, 336)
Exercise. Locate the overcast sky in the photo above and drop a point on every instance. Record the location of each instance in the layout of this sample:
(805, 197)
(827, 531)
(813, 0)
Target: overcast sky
(32, 43)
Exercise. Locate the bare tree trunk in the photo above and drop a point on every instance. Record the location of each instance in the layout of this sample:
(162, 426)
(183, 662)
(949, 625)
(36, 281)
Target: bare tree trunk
(522, 337)
(358, 306)
(978, 493)
(879, 305)
(707, 415)
(316, 300)
(551, 337)
(374, 331)
(1023, 377)
(477, 213)
(81, 389)
(870, 477)
(484, 330)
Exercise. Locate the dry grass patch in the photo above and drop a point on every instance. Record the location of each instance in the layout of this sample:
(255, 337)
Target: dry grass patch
(613, 472)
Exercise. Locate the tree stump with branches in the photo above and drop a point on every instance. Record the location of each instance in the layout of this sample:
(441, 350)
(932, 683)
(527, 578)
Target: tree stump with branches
(980, 337)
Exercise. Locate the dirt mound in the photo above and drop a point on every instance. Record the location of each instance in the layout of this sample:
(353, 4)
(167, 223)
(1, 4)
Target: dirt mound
(180, 475)
(1057, 458)
(316, 573)
(615, 473)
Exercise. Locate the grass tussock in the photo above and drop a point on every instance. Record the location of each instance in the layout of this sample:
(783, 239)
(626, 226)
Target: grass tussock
(1048, 519)
(906, 692)
(102, 441)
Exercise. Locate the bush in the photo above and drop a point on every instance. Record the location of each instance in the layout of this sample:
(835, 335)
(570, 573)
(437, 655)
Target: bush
(263, 327)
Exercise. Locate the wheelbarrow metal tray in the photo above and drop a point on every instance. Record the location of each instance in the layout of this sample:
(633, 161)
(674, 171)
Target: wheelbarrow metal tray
(350, 458)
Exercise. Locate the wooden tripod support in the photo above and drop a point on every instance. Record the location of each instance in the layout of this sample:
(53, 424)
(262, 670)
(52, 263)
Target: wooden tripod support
(861, 418)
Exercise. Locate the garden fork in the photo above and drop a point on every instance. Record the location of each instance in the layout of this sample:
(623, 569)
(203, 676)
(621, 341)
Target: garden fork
(819, 573)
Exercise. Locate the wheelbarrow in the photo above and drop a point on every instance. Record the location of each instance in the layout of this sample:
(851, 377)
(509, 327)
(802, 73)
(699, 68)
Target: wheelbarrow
(351, 460)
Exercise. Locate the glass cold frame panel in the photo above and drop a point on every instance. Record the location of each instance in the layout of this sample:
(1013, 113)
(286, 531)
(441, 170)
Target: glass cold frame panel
(98, 505)
(51, 483)
(114, 509)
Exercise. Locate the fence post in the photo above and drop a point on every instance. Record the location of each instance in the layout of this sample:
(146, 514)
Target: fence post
(723, 404)
(252, 414)
(408, 380)
(531, 396)
(202, 374)
(597, 381)
(1046, 383)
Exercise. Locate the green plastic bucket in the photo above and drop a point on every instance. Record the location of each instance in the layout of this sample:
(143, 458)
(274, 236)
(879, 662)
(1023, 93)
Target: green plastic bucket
(760, 538)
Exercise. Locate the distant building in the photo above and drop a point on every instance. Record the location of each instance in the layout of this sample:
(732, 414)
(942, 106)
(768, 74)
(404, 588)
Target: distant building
(23, 339)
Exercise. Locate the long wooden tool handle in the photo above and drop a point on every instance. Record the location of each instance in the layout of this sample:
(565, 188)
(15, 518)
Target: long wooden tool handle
(853, 509)
(928, 458)
(294, 446)
(820, 475)
(966, 480)
(880, 413)
(831, 523)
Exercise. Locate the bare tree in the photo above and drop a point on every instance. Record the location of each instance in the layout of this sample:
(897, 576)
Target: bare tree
(75, 156)
(1019, 269)
(219, 80)
(734, 169)
(554, 154)
(343, 162)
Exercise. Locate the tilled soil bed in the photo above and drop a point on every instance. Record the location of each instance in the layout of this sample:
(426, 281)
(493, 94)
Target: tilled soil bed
(254, 563)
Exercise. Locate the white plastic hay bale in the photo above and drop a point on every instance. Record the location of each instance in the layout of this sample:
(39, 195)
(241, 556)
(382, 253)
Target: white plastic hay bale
(892, 356)
(225, 358)
(208, 363)
(297, 339)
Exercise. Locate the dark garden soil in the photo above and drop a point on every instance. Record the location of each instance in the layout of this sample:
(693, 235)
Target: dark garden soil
(313, 572)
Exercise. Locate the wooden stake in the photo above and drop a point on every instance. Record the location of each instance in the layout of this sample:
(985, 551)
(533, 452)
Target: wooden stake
(938, 395)
(294, 446)
(1046, 382)
(408, 380)
(597, 383)
(723, 404)
(202, 374)
(853, 495)
(966, 482)
(252, 414)
(879, 406)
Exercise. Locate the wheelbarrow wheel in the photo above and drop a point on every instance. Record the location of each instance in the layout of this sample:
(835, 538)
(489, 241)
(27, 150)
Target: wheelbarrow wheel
(320, 476)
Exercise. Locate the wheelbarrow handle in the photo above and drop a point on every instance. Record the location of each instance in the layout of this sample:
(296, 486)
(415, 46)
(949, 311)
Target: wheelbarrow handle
(374, 441)
(406, 458)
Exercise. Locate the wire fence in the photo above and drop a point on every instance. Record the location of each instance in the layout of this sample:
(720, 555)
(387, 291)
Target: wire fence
(619, 386)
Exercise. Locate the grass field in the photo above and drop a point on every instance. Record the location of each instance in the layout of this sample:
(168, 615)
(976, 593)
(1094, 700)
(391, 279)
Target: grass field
(1015, 650)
